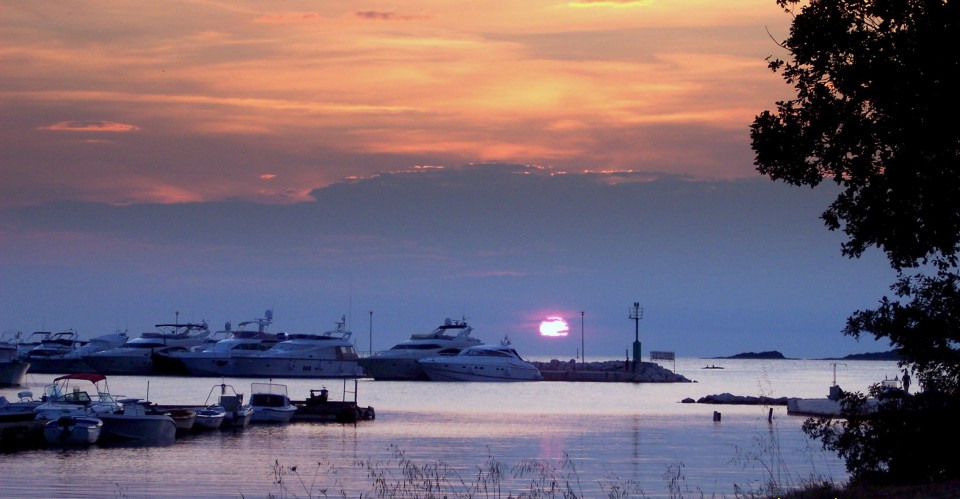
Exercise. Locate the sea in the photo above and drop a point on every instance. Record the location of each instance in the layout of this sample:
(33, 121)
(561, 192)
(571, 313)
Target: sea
(478, 440)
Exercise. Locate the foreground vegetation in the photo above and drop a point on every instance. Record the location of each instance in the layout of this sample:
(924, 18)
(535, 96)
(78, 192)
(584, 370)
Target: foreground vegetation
(874, 80)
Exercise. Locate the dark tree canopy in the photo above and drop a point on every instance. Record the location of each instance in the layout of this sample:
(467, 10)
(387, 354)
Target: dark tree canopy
(876, 112)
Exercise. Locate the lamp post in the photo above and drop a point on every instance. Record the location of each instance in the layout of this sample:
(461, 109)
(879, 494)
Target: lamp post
(583, 357)
(371, 333)
(636, 313)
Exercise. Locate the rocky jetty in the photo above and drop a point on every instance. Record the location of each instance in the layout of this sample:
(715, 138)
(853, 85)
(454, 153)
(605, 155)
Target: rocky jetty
(608, 371)
(727, 398)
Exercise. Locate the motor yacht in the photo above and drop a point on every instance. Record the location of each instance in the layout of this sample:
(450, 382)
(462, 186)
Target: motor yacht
(400, 361)
(219, 359)
(482, 363)
(327, 355)
(63, 352)
(13, 370)
(32, 341)
(136, 356)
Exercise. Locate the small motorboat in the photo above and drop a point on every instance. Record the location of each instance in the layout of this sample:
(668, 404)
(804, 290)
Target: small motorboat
(185, 419)
(237, 413)
(138, 424)
(70, 395)
(712, 366)
(270, 403)
(73, 430)
(209, 418)
(21, 410)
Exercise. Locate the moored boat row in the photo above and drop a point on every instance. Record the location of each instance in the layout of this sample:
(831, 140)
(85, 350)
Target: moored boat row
(448, 353)
(78, 409)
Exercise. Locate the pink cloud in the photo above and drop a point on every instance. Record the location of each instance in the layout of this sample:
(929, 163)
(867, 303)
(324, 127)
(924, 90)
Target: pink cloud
(288, 18)
(90, 126)
(387, 16)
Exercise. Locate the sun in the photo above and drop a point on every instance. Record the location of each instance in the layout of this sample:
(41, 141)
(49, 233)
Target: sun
(554, 326)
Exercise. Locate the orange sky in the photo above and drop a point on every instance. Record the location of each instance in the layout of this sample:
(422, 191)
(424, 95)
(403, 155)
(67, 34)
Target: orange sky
(128, 102)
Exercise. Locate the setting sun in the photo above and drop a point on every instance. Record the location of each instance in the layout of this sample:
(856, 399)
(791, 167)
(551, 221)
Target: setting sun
(554, 326)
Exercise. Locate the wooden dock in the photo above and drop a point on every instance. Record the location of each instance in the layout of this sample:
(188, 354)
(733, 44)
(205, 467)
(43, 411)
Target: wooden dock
(19, 435)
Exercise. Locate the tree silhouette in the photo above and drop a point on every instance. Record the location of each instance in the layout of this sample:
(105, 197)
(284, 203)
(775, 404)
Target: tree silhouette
(876, 112)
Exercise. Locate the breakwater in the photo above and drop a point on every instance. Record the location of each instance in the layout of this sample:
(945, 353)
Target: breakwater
(613, 371)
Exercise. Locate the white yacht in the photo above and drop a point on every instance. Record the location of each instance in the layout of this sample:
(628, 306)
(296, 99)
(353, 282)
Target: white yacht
(482, 363)
(327, 355)
(64, 352)
(136, 356)
(220, 359)
(12, 369)
(32, 341)
(400, 361)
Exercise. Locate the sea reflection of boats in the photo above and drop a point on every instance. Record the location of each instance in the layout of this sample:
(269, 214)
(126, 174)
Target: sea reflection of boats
(327, 355)
(270, 403)
(237, 414)
(64, 352)
(401, 361)
(73, 430)
(12, 369)
(220, 358)
(135, 356)
(482, 363)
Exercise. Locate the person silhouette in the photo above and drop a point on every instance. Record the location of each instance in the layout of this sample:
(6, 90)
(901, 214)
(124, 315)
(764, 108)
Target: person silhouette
(905, 381)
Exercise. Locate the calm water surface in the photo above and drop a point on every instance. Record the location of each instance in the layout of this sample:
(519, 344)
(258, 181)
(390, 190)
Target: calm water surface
(592, 436)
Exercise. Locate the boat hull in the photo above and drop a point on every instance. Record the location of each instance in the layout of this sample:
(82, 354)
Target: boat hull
(238, 419)
(451, 371)
(13, 372)
(155, 429)
(266, 367)
(73, 430)
(109, 364)
(208, 419)
(59, 365)
(273, 414)
(396, 369)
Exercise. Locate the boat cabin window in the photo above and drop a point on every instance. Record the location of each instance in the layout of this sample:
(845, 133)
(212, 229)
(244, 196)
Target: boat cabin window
(489, 353)
(268, 400)
(421, 346)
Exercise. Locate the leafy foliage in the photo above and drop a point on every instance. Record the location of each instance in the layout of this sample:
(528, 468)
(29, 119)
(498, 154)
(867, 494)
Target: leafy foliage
(875, 112)
(893, 441)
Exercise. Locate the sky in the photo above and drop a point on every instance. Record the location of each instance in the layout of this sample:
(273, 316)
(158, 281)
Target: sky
(502, 162)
